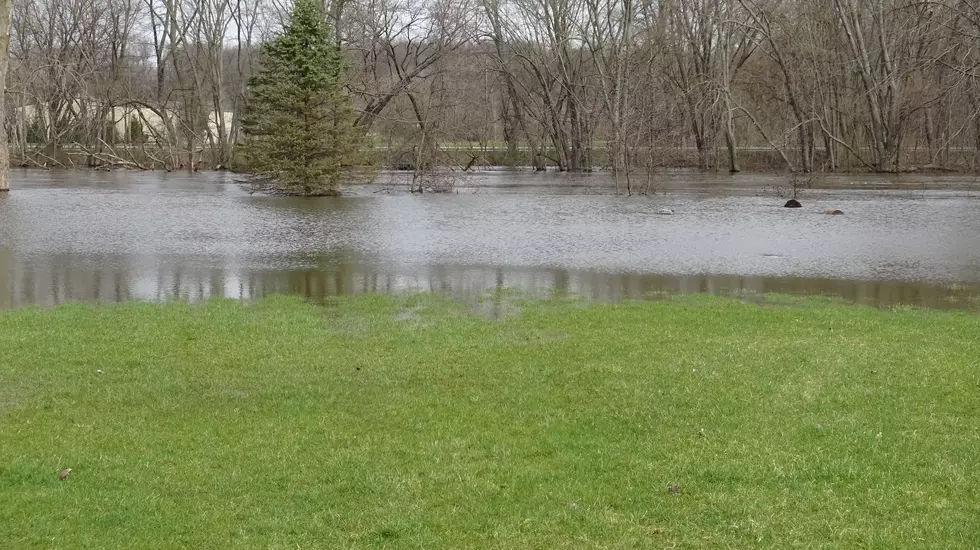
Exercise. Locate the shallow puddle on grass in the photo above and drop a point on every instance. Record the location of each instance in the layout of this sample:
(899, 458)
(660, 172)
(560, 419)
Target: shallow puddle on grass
(345, 323)
(406, 316)
(496, 308)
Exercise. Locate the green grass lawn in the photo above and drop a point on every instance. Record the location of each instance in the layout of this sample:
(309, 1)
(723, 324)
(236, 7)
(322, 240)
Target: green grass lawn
(410, 422)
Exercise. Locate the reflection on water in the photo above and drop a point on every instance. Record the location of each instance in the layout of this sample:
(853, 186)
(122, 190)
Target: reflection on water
(149, 236)
(59, 279)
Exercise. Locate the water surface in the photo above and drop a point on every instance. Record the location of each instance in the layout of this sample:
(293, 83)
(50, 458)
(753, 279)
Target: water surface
(77, 235)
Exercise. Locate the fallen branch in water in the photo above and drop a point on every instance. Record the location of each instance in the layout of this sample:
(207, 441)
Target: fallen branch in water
(111, 159)
(28, 162)
(45, 166)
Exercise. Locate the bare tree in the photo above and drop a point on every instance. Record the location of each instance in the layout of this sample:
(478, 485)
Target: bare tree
(825, 85)
(4, 49)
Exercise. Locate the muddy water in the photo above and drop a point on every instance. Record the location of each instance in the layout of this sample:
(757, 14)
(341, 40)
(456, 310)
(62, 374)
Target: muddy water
(910, 239)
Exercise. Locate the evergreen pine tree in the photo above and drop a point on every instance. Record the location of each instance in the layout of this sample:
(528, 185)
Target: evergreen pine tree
(299, 123)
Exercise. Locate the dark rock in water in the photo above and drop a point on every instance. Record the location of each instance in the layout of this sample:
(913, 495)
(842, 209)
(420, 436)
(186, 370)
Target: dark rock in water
(833, 212)
(793, 203)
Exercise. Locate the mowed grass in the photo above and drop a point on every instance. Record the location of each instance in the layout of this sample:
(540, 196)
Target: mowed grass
(410, 422)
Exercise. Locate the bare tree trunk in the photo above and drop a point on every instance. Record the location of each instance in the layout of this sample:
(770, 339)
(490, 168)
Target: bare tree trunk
(730, 142)
(883, 93)
(4, 51)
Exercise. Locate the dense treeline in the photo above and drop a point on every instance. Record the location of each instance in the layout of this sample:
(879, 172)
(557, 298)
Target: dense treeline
(627, 84)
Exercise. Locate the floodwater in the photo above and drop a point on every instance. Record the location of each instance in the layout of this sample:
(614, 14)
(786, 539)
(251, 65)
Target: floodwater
(77, 235)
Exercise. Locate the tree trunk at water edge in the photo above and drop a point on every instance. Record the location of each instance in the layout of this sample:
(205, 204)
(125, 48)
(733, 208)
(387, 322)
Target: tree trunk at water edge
(4, 51)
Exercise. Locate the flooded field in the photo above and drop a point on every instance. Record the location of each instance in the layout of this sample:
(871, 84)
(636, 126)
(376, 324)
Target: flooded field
(74, 235)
